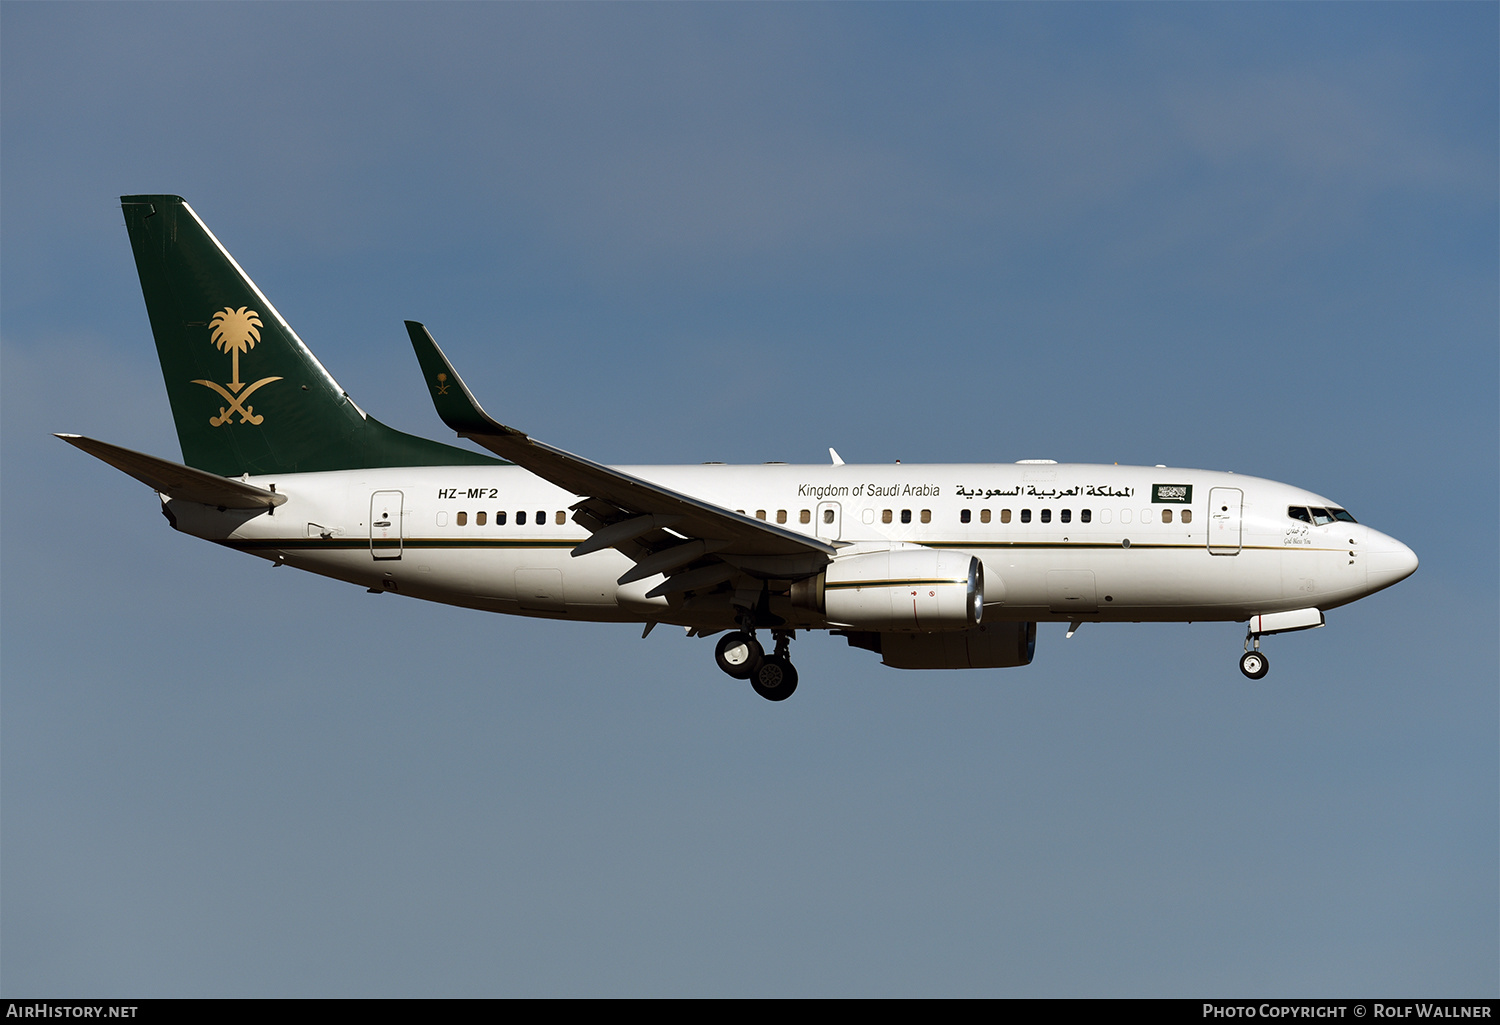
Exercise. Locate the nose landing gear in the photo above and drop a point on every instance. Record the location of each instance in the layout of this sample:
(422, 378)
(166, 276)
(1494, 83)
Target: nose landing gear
(741, 656)
(1253, 663)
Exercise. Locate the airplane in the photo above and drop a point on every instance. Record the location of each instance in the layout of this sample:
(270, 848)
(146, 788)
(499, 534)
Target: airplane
(929, 566)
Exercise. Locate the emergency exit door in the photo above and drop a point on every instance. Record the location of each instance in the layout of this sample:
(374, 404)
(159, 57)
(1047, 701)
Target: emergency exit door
(830, 521)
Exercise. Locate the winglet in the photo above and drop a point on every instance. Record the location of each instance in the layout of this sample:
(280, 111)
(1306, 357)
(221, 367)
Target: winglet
(455, 404)
(838, 460)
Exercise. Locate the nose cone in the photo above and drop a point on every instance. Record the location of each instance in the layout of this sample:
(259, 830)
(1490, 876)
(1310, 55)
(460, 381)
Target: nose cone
(1390, 561)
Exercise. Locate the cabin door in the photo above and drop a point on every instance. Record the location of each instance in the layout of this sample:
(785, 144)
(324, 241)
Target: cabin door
(385, 525)
(1224, 521)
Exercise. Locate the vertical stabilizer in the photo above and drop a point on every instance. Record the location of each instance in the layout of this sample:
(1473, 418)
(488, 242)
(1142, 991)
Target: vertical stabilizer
(247, 395)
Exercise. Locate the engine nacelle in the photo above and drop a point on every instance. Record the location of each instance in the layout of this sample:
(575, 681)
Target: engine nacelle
(917, 589)
(991, 646)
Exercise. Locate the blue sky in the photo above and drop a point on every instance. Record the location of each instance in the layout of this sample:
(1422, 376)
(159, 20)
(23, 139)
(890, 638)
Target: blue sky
(1250, 237)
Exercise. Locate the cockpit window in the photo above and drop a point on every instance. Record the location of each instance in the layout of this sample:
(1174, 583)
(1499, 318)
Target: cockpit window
(1315, 515)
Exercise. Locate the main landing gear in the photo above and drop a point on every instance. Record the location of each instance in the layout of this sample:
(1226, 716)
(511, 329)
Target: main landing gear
(741, 656)
(1253, 663)
(738, 654)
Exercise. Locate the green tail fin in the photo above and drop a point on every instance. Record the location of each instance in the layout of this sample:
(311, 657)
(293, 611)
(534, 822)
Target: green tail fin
(247, 395)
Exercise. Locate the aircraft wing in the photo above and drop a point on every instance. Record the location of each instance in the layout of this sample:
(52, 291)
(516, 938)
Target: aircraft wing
(623, 511)
(178, 481)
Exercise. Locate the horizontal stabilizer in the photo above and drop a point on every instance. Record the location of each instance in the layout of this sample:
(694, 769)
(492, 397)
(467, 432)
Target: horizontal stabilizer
(178, 481)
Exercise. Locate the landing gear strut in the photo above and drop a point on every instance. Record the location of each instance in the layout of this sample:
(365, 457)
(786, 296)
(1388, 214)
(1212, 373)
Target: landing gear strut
(741, 656)
(1253, 663)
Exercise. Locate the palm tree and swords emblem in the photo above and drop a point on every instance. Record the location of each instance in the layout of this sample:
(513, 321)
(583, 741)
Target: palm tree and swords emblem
(236, 331)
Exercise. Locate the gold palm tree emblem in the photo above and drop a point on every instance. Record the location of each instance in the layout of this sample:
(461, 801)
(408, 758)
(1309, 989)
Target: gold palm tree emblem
(236, 331)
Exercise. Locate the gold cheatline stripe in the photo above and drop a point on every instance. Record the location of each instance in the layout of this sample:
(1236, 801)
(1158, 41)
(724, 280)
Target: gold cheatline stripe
(1116, 544)
(890, 583)
(334, 544)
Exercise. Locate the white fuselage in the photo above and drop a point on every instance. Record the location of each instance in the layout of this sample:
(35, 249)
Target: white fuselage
(1058, 541)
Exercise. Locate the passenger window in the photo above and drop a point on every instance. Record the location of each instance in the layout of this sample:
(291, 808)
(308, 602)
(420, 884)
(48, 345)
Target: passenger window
(1105, 515)
(780, 515)
(1046, 515)
(805, 516)
(1066, 516)
(1124, 516)
(1166, 515)
(1187, 516)
(561, 518)
(521, 518)
(462, 519)
(1025, 515)
(1296, 512)
(1085, 515)
(827, 515)
(442, 519)
(500, 519)
(760, 514)
(541, 517)
(984, 516)
(905, 515)
(1146, 515)
(963, 517)
(926, 515)
(1004, 515)
(479, 519)
(885, 516)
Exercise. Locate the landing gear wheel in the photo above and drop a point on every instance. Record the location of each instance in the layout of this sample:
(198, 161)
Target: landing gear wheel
(775, 679)
(1254, 664)
(739, 654)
